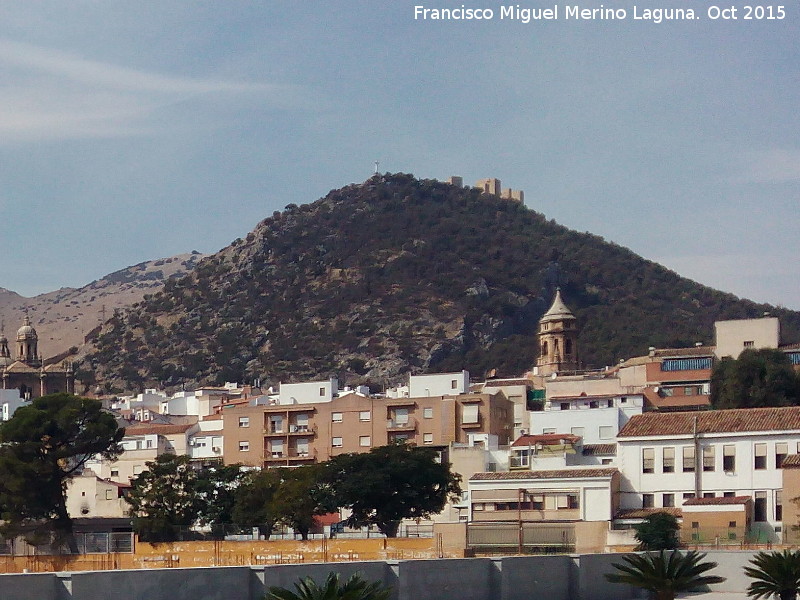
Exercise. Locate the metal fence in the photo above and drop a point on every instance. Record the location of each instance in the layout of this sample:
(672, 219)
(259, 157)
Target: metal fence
(88, 543)
(520, 537)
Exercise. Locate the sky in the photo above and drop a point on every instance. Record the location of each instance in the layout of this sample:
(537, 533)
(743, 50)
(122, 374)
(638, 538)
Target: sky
(131, 131)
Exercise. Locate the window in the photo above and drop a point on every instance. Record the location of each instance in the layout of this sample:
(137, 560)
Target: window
(364, 415)
(688, 459)
(478, 506)
(760, 456)
(686, 364)
(731, 524)
(728, 494)
(648, 500)
(708, 458)
(577, 431)
(709, 495)
(149, 443)
(688, 390)
(364, 441)
(594, 404)
(427, 438)
(244, 421)
(668, 500)
(276, 448)
(401, 416)
(547, 430)
(648, 460)
(564, 405)
(276, 424)
(321, 392)
(760, 507)
(606, 432)
(454, 384)
(469, 413)
(781, 450)
(668, 460)
(244, 446)
(336, 442)
(748, 344)
(609, 404)
(115, 472)
(688, 495)
(109, 494)
(336, 417)
(729, 458)
(778, 505)
(427, 413)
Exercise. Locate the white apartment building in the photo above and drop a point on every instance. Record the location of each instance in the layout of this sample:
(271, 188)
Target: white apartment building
(596, 419)
(438, 384)
(668, 458)
(206, 443)
(308, 392)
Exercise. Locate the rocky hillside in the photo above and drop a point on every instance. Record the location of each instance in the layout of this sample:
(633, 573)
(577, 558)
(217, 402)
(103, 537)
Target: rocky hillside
(63, 318)
(397, 275)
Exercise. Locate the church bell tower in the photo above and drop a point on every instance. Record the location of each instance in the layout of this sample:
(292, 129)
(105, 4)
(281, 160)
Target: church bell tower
(558, 336)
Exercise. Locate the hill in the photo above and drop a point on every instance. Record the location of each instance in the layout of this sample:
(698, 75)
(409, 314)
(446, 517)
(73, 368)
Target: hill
(396, 275)
(64, 317)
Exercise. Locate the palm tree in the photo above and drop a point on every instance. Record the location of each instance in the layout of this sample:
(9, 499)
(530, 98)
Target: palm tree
(775, 574)
(665, 573)
(354, 588)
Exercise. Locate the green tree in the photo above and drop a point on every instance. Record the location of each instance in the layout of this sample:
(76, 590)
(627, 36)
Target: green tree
(354, 588)
(390, 483)
(42, 447)
(665, 573)
(253, 502)
(757, 378)
(774, 574)
(216, 487)
(658, 531)
(300, 498)
(164, 499)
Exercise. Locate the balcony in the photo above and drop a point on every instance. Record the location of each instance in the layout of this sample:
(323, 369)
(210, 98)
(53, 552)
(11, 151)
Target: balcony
(302, 429)
(290, 456)
(406, 425)
(269, 431)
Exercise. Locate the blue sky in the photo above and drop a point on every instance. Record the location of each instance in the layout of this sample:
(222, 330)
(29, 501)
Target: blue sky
(133, 131)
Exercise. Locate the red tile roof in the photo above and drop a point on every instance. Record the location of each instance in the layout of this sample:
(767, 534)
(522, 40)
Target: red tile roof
(547, 439)
(680, 352)
(148, 429)
(723, 501)
(641, 513)
(600, 450)
(554, 474)
(738, 420)
(791, 462)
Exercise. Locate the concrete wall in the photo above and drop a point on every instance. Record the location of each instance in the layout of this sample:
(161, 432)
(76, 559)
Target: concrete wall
(577, 577)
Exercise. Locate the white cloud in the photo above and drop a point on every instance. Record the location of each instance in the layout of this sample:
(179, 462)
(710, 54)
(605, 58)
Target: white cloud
(52, 95)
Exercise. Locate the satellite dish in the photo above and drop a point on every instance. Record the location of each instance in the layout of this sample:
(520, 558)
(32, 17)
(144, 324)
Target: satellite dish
(554, 375)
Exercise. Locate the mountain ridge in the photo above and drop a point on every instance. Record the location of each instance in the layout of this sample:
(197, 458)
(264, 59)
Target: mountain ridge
(64, 317)
(399, 275)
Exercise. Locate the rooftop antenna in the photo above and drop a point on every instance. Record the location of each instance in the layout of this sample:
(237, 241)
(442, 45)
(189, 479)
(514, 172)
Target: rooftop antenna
(377, 163)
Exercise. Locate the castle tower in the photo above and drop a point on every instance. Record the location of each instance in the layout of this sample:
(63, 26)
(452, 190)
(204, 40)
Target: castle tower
(558, 336)
(28, 344)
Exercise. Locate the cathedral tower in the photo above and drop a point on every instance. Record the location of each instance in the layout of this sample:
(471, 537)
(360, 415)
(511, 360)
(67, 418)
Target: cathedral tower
(28, 344)
(558, 336)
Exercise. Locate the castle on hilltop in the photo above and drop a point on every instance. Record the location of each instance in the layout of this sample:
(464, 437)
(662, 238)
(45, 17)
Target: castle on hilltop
(491, 186)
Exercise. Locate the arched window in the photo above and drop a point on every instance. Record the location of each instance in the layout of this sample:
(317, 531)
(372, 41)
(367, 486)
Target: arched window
(568, 346)
(544, 348)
